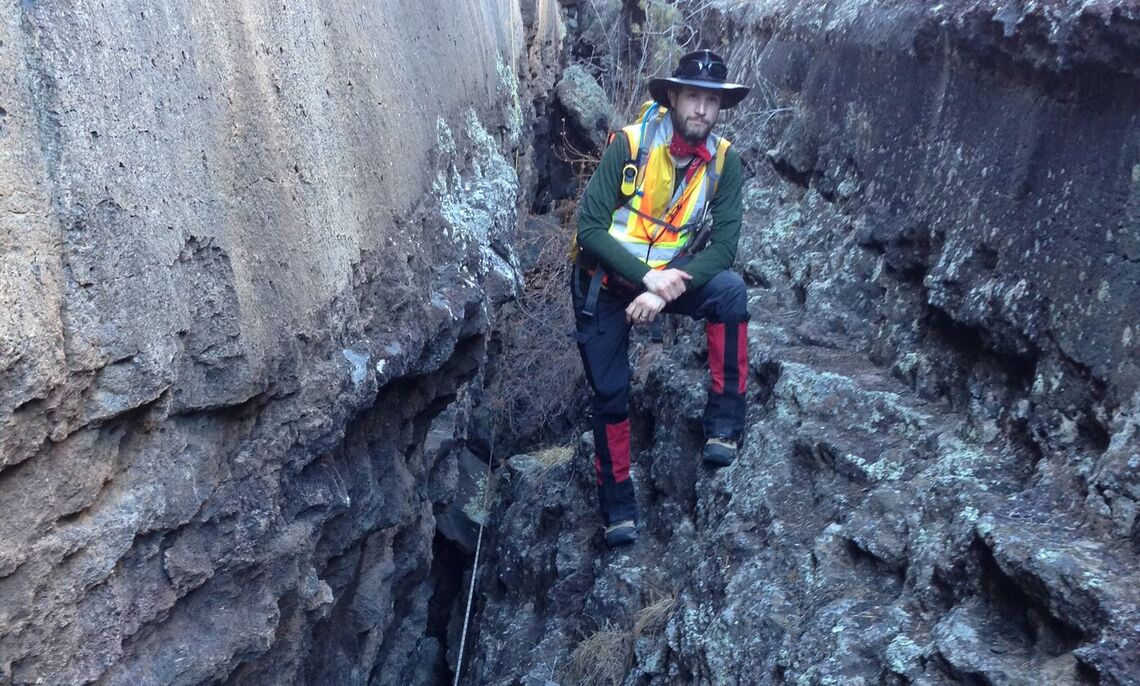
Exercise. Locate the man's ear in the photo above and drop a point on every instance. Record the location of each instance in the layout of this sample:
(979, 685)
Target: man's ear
(672, 98)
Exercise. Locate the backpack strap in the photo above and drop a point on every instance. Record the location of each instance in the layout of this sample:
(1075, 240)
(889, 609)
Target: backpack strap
(714, 172)
(647, 132)
(639, 136)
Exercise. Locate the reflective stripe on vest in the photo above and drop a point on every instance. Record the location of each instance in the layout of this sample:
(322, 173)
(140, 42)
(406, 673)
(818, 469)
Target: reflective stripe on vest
(680, 212)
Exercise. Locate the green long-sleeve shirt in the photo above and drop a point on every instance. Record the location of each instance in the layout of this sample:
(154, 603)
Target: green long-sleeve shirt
(602, 197)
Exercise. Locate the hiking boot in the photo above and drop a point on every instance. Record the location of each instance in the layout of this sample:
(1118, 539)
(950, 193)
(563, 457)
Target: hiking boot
(622, 533)
(719, 451)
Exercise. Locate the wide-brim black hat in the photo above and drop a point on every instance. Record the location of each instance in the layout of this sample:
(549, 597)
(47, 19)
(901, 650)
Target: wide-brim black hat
(700, 69)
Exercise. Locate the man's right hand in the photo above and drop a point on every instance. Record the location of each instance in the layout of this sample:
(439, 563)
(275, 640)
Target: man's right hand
(667, 284)
(644, 309)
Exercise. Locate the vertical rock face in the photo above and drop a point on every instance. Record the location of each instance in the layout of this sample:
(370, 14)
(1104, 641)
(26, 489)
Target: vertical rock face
(939, 480)
(1001, 169)
(248, 256)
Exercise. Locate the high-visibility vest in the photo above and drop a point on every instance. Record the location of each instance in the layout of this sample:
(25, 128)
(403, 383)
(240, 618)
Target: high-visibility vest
(662, 216)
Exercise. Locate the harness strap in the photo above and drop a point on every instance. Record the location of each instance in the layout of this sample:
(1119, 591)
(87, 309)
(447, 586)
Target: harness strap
(590, 307)
(648, 217)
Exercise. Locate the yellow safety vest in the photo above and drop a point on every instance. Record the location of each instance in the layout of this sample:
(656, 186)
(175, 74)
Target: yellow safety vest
(658, 221)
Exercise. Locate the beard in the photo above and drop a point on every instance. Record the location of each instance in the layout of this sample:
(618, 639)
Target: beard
(693, 129)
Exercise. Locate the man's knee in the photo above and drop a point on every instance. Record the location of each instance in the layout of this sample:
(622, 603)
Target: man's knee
(728, 292)
(611, 401)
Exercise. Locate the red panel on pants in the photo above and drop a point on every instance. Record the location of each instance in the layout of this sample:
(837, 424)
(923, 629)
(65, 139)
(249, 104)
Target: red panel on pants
(717, 344)
(617, 439)
(715, 333)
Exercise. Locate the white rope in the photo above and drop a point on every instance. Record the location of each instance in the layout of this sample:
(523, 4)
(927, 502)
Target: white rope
(475, 566)
(467, 613)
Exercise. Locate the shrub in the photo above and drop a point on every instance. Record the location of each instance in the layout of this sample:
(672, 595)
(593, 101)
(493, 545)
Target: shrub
(538, 389)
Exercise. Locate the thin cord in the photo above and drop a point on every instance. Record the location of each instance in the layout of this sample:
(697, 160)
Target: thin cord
(475, 566)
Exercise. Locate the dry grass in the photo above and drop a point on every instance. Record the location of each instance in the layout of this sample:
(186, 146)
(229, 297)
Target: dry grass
(604, 657)
(546, 460)
(553, 456)
(652, 618)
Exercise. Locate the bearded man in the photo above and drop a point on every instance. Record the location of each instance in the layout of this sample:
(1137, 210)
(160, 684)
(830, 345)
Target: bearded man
(657, 232)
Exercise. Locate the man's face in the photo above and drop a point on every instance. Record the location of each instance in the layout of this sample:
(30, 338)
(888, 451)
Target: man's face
(694, 111)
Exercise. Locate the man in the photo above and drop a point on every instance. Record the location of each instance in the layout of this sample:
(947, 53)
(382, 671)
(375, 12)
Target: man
(645, 248)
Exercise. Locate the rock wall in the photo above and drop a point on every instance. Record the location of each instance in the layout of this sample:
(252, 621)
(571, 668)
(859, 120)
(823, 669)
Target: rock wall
(938, 483)
(1000, 173)
(249, 259)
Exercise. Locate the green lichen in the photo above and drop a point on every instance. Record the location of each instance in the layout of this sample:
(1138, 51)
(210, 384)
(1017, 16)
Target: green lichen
(883, 470)
(662, 23)
(1104, 292)
(478, 505)
(903, 655)
(586, 103)
(828, 393)
(960, 460)
(479, 205)
(1092, 580)
(508, 91)
(446, 175)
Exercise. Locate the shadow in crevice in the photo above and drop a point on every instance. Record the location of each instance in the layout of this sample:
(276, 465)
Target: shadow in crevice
(1040, 628)
(450, 563)
(998, 625)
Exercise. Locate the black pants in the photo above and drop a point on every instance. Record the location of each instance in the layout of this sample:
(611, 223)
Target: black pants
(603, 341)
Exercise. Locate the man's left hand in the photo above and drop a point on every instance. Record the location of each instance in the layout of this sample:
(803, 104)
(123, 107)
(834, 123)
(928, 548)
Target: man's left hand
(644, 308)
(668, 284)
